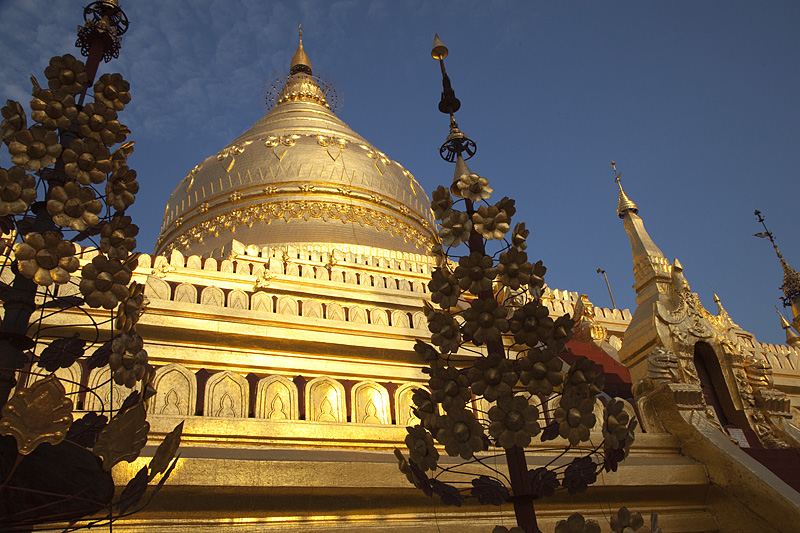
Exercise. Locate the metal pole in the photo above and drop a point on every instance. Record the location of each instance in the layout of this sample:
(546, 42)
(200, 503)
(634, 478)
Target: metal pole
(603, 272)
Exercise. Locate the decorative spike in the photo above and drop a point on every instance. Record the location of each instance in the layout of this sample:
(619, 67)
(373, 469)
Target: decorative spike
(792, 338)
(625, 204)
(791, 279)
(439, 50)
(300, 61)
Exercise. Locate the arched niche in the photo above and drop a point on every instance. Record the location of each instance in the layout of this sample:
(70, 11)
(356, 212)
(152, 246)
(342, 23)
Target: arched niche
(237, 299)
(106, 394)
(212, 296)
(226, 395)
(176, 391)
(292, 269)
(157, 289)
(70, 378)
(334, 311)
(357, 314)
(287, 306)
(419, 321)
(312, 308)
(176, 259)
(261, 302)
(400, 319)
(370, 403)
(716, 391)
(379, 317)
(186, 292)
(276, 399)
(325, 401)
(404, 405)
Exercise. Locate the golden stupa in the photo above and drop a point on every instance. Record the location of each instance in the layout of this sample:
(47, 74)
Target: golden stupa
(286, 294)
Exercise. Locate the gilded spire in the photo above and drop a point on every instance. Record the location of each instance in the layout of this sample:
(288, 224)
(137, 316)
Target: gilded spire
(791, 279)
(792, 338)
(625, 204)
(300, 61)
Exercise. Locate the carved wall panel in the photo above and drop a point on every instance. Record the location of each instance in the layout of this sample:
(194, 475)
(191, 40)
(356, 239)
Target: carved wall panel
(194, 261)
(176, 259)
(276, 399)
(379, 317)
(210, 264)
(404, 406)
(357, 314)
(308, 271)
(261, 302)
(351, 277)
(212, 296)
(157, 289)
(404, 285)
(292, 269)
(186, 292)
(417, 286)
(322, 273)
(258, 270)
(370, 403)
(334, 311)
(419, 321)
(226, 395)
(176, 392)
(337, 275)
(325, 401)
(287, 306)
(312, 308)
(364, 279)
(107, 394)
(237, 299)
(226, 266)
(400, 319)
(243, 267)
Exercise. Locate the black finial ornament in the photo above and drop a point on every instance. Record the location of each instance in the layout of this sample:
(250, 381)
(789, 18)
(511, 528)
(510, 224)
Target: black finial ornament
(457, 143)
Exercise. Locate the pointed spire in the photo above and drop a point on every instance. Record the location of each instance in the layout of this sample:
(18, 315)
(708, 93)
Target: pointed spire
(300, 61)
(792, 338)
(791, 279)
(625, 204)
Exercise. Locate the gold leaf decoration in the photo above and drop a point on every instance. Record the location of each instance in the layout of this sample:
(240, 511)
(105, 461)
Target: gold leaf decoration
(124, 437)
(166, 451)
(39, 413)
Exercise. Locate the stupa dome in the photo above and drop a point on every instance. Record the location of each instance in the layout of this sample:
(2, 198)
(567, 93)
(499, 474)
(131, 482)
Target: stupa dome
(299, 175)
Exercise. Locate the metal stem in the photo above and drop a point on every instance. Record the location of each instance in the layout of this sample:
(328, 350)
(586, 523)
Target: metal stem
(515, 456)
(603, 272)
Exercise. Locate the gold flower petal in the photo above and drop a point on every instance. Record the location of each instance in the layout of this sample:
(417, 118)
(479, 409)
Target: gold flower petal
(37, 414)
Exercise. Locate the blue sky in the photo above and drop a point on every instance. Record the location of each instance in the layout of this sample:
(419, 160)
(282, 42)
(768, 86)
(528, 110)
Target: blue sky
(695, 101)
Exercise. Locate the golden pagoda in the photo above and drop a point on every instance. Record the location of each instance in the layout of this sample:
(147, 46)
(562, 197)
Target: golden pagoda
(286, 294)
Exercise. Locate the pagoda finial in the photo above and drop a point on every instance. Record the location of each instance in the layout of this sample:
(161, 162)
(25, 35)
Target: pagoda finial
(792, 338)
(300, 61)
(791, 279)
(625, 204)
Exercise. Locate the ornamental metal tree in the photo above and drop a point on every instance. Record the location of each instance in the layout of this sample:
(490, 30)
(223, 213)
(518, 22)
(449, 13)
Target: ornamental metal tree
(54, 468)
(496, 378)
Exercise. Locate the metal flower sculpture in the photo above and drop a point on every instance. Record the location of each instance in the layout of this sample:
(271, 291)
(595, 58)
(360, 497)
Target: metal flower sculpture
(66, 160)
(497, 377)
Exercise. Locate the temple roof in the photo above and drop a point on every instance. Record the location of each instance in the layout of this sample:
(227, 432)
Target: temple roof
(300, 174)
